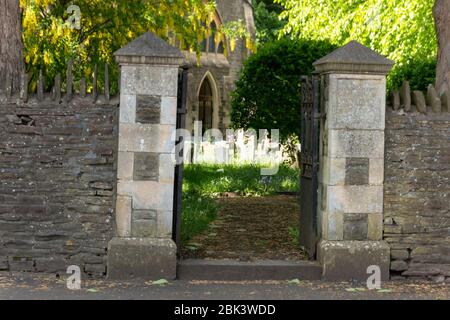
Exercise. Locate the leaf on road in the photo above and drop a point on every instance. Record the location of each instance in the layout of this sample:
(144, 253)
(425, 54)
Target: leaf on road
(160, 282)
(384, 291)
(294, 281)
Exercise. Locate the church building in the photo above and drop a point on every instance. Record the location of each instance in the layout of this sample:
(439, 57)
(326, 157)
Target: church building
(211, 80)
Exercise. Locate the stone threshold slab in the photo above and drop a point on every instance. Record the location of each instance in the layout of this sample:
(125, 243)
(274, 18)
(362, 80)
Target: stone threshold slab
(231, 270)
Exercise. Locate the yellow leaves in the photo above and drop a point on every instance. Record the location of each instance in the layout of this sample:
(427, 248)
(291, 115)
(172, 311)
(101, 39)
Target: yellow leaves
(250, 44)
(232, 44)
(47, 59)
(106, 26)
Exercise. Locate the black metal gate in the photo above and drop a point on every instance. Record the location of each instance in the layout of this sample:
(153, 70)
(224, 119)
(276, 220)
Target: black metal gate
(309, 162)
(178, 187)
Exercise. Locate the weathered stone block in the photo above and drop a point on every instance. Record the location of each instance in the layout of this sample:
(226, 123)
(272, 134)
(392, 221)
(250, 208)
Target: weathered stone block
(166, 168)
(125, 163)
(146, 166)
(151, 80)
(356, 144)
(146, 138)
(21, 264)
(332, 171)
(355, 199)
(165, 219)
(144, 223)
(355, 226)
(395, 100)
(375, 226)
(123, 215)
(148, 194)
(405, 96)
(399, 265)
(127, 108)
(397, 254)
(95, 269)
(334, 226)
(51, 264)
(139, 214)
(419, 101)
(433, 99)
(4, 263)
(148, 109)
(349, 260)
(144, 228)
(357, 102)
(169, 110)
(357, 171)
(376, 171)
(146, 258)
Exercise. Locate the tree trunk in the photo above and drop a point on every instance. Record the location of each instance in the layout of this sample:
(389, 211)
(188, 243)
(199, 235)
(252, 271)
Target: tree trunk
(11, 46)
(441, 13)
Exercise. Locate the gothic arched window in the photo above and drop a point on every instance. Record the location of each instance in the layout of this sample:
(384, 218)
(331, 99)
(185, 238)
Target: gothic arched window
(209, 44)
(205, 105)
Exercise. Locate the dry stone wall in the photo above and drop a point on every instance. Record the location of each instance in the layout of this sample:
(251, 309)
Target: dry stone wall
(57, 183)
(417, 184)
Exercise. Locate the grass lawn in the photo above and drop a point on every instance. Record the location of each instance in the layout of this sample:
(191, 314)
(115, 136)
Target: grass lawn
(203, 183)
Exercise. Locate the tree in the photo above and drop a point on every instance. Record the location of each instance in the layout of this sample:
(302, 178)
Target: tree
(49, 41)
(105, 26)
(268, 25)
(11, 47)
(441, 13)
(267, 94)
(402, 30)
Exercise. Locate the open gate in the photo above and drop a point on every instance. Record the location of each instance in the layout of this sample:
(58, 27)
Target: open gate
(178, 186)
(309, 162)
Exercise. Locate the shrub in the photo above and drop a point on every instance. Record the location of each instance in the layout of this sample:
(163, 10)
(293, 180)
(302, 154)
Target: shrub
(267, 95)
(419, 73)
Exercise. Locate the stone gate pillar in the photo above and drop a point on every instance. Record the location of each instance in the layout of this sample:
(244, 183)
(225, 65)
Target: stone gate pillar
(143, 245)
(352, 163)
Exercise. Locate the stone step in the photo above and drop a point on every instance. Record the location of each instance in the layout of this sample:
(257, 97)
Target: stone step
(231, 270)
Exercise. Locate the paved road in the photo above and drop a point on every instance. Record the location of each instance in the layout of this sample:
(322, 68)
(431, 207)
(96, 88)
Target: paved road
(31, 286)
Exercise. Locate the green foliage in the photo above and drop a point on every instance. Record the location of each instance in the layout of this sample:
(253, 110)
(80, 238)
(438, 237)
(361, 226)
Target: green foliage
(106, 26)
(203, 183)
(198, 212)
(294, 233)
(420, 74)
(246, 180)
(268, 24)
(267, 94)
(402, 30)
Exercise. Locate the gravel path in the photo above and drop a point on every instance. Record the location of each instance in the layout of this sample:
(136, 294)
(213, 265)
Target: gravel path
(250, 228)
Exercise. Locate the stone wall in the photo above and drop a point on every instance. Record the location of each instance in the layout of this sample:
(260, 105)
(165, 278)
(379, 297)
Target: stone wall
(417, 187)
(57, 184)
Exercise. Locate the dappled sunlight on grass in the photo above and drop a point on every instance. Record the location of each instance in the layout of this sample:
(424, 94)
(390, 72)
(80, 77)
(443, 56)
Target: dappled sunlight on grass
(204, 182)
(244, 180)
